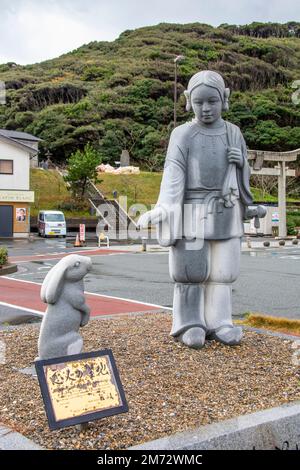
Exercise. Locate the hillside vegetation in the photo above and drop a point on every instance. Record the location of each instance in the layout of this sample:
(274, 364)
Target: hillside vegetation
(120, 94)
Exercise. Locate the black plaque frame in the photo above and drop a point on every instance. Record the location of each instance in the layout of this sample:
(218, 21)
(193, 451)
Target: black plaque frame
(55, 424)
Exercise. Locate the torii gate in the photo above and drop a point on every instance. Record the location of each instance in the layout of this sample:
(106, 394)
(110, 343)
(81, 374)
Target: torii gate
(281, 170)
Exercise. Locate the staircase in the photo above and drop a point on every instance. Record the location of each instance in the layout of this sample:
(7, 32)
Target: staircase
(109, 210)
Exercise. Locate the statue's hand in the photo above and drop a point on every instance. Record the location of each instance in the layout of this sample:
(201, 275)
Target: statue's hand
(235, 156)
(154, 217)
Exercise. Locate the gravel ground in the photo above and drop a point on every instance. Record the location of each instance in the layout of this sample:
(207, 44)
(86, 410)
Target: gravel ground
(169, 388)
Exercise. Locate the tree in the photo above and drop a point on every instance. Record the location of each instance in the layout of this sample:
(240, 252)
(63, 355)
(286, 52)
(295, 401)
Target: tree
(81, 168)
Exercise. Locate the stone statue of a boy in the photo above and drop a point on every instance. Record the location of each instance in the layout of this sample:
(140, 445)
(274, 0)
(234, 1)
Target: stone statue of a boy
(202, 203)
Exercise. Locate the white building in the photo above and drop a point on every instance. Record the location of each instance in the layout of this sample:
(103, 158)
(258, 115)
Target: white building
(16, 154)
(26, 139)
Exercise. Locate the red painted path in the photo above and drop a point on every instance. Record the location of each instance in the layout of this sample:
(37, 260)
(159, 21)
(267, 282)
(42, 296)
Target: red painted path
(24, 294)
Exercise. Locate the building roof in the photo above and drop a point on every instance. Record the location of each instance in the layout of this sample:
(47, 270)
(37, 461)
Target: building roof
(18, 143)
(19, 135)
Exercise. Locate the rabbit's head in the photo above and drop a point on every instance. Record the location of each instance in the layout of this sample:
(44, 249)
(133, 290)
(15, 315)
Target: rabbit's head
(72, 268)
(78, 267)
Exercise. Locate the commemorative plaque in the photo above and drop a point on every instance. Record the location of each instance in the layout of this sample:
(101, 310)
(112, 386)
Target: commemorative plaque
(80, 388)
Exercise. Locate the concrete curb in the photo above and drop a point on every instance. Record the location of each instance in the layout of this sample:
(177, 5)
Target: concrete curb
(271, 333)
(8, 269)
(254, 243)
(12, 440)
(268, 429)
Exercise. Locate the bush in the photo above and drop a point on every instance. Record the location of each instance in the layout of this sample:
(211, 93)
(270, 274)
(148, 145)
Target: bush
(293, 220)
(76, 205)
(291, 228)
(3, 256)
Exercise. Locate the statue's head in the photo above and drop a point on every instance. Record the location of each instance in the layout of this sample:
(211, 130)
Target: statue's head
(207, 95)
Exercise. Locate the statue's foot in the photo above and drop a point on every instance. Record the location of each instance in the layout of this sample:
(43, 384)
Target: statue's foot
(76, 347)
(227, 334)
(193, 337)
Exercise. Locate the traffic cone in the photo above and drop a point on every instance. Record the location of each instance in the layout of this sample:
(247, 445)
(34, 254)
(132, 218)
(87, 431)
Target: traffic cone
(77, 242)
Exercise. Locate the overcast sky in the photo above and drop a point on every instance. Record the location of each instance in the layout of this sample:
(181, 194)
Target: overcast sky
(36, 30)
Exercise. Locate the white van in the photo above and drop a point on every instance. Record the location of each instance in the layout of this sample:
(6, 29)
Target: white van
(52, 223)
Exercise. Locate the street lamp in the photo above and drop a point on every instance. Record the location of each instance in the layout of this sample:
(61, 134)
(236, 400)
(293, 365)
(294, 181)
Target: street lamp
(177, 59)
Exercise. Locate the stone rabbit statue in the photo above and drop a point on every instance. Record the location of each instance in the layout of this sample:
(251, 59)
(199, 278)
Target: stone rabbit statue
(63, 291)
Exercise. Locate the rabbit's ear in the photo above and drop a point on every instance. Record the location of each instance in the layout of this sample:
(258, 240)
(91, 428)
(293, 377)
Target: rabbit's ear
(52, 285)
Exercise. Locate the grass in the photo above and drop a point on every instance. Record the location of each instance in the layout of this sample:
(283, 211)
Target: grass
(51, 192)
(259, 195)
(139, 189)
(280, 324)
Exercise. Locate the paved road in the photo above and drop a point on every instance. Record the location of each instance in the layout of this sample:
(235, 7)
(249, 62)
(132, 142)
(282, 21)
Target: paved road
(269, 281)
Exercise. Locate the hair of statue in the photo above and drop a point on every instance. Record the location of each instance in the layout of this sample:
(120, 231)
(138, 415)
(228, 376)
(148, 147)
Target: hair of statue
(209, 78)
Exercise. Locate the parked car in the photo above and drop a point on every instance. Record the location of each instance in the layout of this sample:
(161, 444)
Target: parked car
(52, 223)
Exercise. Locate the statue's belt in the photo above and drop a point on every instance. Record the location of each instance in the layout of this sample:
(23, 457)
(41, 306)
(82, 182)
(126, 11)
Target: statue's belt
(202, 193)
(213, 201)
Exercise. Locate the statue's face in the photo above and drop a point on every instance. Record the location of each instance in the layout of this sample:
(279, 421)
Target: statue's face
(206, 103)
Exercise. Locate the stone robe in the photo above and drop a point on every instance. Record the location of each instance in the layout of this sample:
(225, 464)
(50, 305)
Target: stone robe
(192, 189)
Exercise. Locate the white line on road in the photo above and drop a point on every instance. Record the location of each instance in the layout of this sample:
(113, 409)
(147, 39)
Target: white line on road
(20, 280)
(57, 258)
(129, 300)
(98, 295)
(22, 308)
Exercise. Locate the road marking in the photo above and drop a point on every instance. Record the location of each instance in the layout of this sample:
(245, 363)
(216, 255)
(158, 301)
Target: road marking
(50, 256)
(94, 293)
(100, 304)
(17, 307)
(19, 280)
(128, 300)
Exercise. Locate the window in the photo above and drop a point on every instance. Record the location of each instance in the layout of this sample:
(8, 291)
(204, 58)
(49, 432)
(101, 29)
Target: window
(54, 218)
(6, 167)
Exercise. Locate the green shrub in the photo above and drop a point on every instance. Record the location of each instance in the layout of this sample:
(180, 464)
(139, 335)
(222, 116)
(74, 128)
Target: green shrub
(290, 228)
(3, 256)
(293, 220)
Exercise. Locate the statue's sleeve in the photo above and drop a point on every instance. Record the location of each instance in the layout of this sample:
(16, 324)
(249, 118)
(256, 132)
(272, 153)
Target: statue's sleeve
(243, 176)
(172, 191)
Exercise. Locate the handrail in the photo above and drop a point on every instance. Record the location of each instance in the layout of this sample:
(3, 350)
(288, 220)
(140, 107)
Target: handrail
(100, 213)
(123, 212)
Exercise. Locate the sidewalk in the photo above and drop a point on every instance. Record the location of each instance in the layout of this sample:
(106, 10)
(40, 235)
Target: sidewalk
(12, 440)
(255, 243)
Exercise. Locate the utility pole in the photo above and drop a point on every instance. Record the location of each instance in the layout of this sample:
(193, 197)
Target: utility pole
(282, 199)
(177, 59)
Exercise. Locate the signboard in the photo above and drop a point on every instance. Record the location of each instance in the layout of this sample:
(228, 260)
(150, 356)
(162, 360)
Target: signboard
(275, 217)
(82, 232)
(16, 196)
(80, 388)
(21, 214)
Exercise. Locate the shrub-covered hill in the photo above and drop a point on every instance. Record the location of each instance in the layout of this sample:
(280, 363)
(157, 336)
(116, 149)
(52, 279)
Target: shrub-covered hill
(120, 94)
